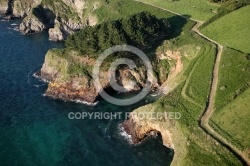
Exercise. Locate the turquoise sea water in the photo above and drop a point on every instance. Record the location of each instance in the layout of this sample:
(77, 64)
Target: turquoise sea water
(35, 130)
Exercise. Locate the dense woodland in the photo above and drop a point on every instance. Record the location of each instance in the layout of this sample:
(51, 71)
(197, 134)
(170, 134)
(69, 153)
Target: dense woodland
(140, 30)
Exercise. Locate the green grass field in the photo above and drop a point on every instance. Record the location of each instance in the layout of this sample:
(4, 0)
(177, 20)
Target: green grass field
(196, 9)
(200, 80)
(201, 149)
(234, 120)
(117, 9)
(232, 30)
(234, 77)
(231, 117)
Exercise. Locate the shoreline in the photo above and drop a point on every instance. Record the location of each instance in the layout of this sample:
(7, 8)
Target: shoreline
(36, 75)
(73, 101)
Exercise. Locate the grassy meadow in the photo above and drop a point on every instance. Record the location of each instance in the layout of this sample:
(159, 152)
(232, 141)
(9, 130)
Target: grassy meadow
(196, 9)
(232, 30)
(200, 80)
(233, 121)
(200, 148)
(234, 77)
(118, 9)
(231, 116)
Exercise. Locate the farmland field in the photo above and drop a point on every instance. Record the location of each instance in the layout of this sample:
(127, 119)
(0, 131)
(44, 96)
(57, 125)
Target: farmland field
(233, 121)
(232, 30)
(199, 148)
(196, 9)
(234, 77)
(199, 83)
(231, 117)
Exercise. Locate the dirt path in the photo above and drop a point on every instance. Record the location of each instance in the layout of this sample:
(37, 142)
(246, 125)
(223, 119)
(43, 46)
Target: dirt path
(208, 112)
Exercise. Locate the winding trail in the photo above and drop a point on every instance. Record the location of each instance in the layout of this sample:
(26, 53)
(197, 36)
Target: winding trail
(208, 112)
(184, 89)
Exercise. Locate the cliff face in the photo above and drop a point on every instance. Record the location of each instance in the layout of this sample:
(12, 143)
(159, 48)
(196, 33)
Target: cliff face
(60, 17)
(21, 8)
(18, 8)
(70, 77)
(3, 6)
(141, 125)
(140, 129)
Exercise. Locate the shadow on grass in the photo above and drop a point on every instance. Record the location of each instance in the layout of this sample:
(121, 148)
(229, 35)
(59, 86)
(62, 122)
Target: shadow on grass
(178, 24)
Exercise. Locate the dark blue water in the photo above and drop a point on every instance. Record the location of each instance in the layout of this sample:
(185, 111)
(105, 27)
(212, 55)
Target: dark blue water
(35, 130)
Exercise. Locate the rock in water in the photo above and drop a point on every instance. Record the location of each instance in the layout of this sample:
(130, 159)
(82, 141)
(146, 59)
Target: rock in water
(55, 34)
(31, 24)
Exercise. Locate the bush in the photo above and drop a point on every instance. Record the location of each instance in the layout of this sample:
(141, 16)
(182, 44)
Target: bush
(140, 30)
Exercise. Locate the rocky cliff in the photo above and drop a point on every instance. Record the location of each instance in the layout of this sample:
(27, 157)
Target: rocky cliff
(142, 124)
(59, 17)
(139, 129)
(3, 6)
(70, 76)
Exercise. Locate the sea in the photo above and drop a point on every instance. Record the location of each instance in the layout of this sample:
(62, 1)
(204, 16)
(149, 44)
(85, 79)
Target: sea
(36, 130)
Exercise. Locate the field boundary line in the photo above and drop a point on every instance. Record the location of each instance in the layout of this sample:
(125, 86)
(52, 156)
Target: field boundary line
(208, 112)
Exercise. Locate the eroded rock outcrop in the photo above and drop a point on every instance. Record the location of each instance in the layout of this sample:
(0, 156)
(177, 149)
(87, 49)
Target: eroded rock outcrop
(22, 8)
(60, 19)
(142, 123)
(63, 28)
(31, 24)
(70, 77)
(140, 127)
(3, 6)
(17, 8)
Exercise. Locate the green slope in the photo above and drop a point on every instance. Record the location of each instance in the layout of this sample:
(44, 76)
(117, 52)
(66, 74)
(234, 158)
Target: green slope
(232, 115)
(234, 120)
(232, 30)
(196, 9)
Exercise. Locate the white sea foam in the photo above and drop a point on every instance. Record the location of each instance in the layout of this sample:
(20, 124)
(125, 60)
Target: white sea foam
(76, 101)
(37, 76)
(124, 134)
(85, 102)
